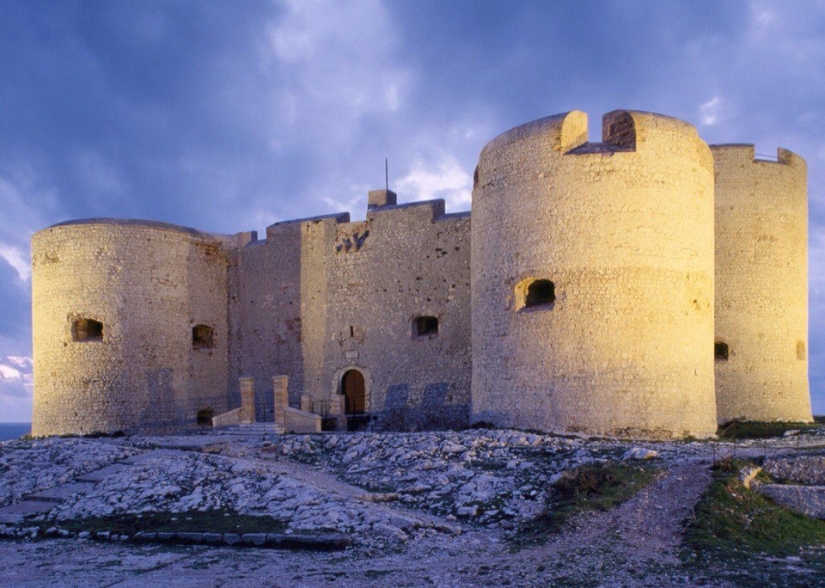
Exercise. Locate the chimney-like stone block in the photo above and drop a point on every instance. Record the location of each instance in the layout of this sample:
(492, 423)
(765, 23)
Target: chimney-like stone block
(279, 389)
(379, 198)
(247, 400)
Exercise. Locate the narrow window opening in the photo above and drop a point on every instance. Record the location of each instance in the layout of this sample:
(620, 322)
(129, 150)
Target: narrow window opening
(84, 330)
(800, 350)
(204, 417)
(540, 292)
(425, 326)
(203, 337)
(351, 331)
(720, 351)
(535, 292)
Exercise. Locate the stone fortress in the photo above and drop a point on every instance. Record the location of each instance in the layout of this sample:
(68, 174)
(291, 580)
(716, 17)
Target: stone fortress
(646, 286)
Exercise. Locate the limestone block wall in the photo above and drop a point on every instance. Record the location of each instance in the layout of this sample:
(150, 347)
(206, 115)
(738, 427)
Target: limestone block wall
(265, 315)
(404, 270)
(761, 286)
(624, 231)
(319, 297)
(146, 286)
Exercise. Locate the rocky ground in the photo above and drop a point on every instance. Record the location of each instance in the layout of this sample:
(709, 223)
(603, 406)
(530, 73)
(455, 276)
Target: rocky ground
(420, 508)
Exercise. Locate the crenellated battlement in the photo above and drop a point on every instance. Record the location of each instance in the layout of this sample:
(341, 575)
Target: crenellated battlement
(741, 153)
(588, 291)
(744, 177)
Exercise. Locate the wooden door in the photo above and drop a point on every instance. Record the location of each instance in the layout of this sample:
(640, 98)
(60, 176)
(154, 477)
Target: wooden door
(354, 390)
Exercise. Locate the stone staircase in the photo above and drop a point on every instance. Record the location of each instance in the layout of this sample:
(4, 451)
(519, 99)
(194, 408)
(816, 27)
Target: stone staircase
(251, 430)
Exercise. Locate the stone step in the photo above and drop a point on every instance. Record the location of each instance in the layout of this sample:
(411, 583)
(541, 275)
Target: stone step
(253, 429)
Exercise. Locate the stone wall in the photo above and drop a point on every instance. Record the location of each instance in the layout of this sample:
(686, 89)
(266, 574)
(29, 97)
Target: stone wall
(624, 231)
(322, 296)
(761, 286)
(265, 309)
(407, 264)
(591, 267)
(146, 286)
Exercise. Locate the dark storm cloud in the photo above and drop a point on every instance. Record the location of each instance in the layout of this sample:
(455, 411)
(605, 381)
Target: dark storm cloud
(113, 99)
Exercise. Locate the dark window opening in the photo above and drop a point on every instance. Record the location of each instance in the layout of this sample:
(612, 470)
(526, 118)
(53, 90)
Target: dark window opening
(425, 326)
(204, 417)
(540, 292)
(203, 337)
(720, 351)
(84, 330)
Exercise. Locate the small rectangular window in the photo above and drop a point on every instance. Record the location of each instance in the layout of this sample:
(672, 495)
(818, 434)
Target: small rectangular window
(720, 351)
(425, 326)
(533, 293)
(203, 337)
(85, 330)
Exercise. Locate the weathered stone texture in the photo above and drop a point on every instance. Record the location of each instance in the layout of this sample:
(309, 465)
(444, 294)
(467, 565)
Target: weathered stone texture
(149, 284)
(615, 337)
(806, 500)
(624, 230)
(323, 296)
(761, 285)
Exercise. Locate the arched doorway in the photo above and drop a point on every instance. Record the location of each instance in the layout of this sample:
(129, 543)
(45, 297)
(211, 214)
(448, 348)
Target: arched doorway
(204, 417)
(354, 390)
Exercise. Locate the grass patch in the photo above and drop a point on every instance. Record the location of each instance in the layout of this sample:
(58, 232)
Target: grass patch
(215, 521)
(738, 534)
(739, 522)
(590, 487)
(759, 429)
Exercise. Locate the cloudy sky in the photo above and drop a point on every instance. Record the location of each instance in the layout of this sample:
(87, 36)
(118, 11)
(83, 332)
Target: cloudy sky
(231, 115)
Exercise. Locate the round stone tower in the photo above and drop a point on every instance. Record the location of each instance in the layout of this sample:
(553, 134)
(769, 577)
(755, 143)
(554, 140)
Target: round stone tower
(592, 278)
(761, 286)
(129, 326)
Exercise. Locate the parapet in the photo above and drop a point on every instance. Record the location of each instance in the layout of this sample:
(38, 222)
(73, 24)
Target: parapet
(216, 239)
(622, 130)
(338, 218)
(741, 153)
(743, 175)
(161, 226)
(563, 132)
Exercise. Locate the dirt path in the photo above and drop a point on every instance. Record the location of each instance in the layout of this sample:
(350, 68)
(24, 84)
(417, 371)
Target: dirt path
(634, 544)
(649, 525)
